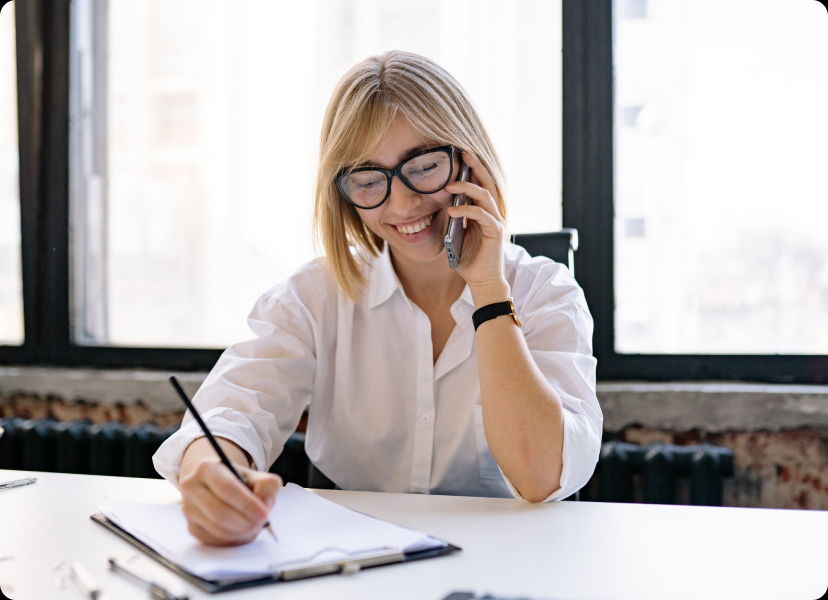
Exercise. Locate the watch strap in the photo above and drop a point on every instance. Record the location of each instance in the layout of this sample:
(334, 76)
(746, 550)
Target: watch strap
(492, 311)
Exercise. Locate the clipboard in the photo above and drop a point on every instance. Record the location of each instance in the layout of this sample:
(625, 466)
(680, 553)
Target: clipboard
(343, 566)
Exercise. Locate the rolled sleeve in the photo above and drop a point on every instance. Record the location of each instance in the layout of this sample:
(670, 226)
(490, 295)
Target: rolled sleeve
(582, 428)
(255, 394)
(558, 329)
(226, 423)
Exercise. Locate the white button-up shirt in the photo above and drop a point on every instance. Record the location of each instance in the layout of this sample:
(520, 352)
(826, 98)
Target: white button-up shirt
(382, 415)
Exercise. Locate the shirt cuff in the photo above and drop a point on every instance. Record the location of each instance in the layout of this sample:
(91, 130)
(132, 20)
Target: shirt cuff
(223, 422)
(556, 495)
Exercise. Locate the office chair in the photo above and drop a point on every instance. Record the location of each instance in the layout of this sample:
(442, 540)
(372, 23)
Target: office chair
(560, 246)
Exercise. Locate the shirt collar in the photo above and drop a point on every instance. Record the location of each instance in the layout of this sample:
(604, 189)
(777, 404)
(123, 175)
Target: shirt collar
(382, 280)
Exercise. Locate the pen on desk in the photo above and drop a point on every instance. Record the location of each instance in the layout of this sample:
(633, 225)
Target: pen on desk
(156, 590)
(5, 485)
(84, 580)
(212, 440)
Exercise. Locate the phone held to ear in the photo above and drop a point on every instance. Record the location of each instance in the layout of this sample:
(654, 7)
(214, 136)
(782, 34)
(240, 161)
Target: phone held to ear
(456, 228)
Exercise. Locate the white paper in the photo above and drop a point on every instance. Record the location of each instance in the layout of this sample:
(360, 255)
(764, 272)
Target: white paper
(311, 530)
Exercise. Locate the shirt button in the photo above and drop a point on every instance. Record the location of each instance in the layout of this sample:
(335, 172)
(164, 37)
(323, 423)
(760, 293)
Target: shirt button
(425, 419)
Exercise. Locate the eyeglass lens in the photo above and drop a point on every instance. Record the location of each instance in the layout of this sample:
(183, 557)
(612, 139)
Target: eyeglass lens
(425, 174)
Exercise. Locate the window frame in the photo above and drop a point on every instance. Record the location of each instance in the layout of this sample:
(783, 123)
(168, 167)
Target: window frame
(43, 29)
(588, 205)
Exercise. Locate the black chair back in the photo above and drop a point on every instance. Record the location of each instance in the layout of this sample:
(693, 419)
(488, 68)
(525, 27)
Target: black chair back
(560, 246)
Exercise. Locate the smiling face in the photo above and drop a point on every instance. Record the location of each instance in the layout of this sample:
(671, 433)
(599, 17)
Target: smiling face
(412, 224)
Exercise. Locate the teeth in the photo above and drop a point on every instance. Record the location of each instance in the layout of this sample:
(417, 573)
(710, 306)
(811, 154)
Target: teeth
(416, 227)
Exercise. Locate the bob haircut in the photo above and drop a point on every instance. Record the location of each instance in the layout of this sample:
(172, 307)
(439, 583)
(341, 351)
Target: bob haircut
(364, 104)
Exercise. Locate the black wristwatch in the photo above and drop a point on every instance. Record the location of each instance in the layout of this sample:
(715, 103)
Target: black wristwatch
(491, 311)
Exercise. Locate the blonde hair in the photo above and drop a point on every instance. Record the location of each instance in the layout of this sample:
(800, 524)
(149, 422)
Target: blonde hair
(364, 104)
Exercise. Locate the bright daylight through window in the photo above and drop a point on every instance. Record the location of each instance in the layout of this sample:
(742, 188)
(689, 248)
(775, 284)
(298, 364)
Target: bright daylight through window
(212, 112)
(11, 288)
(721, 197)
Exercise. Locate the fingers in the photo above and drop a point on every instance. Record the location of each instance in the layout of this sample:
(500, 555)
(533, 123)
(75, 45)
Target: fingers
(482, 195)
(209, 538)
(490, 225)
(220, 509)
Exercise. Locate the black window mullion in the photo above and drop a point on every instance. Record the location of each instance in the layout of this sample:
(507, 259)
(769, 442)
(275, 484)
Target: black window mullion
(54, 184)
(588, 155)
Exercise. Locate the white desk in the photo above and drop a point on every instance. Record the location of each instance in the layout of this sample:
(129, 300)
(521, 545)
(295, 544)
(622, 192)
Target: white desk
(561, 550)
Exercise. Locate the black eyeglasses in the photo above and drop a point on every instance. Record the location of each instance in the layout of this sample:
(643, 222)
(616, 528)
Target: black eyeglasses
(426, 172)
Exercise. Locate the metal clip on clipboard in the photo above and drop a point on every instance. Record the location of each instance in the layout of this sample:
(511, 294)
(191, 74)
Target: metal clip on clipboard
(343, 566)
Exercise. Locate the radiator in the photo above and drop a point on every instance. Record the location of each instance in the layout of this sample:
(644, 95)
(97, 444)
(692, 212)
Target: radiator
(113, 448)
(660, 474)
(80, 447)
(656, 473)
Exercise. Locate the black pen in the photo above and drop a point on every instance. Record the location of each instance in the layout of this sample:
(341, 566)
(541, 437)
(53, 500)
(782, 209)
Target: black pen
(213, 441)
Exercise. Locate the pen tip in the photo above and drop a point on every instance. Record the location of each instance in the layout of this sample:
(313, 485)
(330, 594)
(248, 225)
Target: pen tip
(270, 529)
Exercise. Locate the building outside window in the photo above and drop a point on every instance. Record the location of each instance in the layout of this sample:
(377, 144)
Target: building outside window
(197, 127)
(721, 197)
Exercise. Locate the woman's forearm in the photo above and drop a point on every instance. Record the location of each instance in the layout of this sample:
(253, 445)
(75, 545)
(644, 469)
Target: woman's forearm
(522, 414)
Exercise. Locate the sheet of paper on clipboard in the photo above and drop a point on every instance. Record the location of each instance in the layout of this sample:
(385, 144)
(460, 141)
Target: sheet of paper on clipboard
(316, 537)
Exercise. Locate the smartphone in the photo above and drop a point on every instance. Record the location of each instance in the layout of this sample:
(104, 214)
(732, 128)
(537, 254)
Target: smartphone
(456, 228)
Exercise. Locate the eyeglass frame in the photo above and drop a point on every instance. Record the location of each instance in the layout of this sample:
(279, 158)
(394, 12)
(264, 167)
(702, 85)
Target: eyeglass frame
(389, 175)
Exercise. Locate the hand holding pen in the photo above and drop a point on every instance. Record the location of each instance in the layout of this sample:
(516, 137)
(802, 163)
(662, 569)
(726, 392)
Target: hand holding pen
(225, 503)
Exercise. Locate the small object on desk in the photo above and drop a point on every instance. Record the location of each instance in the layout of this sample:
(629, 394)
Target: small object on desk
(473, 596)
(5, 485)
(84, 580)
(156, 590)
(212, 440)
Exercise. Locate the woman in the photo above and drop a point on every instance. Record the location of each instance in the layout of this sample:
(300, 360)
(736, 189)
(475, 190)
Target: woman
(404, 392)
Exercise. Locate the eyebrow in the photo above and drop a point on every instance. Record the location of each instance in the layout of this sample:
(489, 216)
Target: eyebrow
(408, 154)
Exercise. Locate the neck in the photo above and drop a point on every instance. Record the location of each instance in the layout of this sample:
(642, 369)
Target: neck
(429, 284)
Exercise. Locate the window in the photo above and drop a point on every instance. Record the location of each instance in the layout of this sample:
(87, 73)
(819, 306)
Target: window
(197, 138)
(721, 198)
(11, 291)
(161, 252)
(686, 171)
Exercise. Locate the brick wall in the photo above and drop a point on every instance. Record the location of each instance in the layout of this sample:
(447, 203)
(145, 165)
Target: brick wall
(773, 469)
(32, 406)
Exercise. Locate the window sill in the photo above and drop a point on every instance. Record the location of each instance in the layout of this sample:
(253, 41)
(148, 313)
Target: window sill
(708, 406)
(713, 406)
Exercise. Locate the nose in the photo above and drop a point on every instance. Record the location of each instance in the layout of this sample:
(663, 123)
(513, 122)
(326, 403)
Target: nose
(402, 198)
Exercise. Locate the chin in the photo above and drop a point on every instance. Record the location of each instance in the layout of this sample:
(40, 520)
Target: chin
(428, 252)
